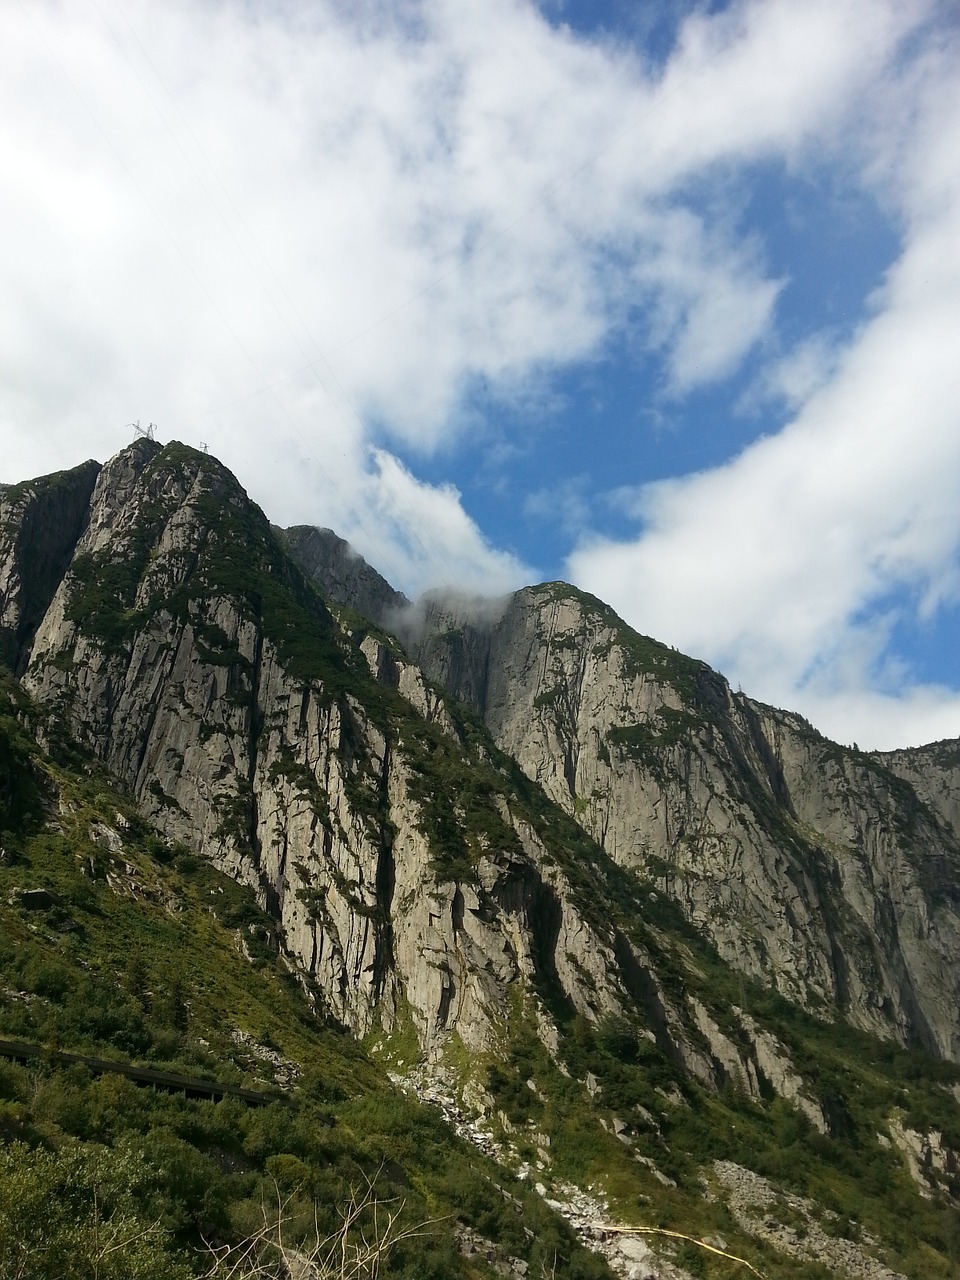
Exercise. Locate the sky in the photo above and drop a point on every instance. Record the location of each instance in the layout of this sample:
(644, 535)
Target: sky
(662, 299)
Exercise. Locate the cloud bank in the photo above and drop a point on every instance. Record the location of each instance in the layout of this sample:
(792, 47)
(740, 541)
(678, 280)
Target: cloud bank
(306, 234)
(790, 566)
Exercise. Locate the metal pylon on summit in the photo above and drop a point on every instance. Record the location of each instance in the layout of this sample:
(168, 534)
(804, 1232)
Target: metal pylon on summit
(148, 432)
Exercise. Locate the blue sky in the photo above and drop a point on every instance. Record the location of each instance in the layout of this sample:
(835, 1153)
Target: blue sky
(663, 299)
(616, 401)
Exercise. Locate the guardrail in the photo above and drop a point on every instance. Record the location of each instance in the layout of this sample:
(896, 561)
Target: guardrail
(171, 1081)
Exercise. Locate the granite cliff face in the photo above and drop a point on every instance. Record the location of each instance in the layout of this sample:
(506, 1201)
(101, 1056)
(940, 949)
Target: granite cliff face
(154, 613)
(933, 772)
(349, 580)
(408, 880)
(831, 873)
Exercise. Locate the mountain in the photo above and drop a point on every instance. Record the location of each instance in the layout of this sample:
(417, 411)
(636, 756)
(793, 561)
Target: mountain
(664, 952)
(347, 577)
(831, 874)
(125, 959)
(811, 866)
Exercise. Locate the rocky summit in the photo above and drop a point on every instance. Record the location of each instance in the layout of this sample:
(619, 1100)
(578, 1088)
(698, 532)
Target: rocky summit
(672, 963)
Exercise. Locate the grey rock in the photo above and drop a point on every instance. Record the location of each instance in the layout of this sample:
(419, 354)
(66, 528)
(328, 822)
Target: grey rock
(305, 795)
(930, 1159)
(933, 773)
(831, 873)
(40, 524)
(751, 1198)
(341, 573)
(106, 837)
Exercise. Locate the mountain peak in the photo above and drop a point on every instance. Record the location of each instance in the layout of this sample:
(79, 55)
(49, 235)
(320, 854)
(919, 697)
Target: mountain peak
(341, 573)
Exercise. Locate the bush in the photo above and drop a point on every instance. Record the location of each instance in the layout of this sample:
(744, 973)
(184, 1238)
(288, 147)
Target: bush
(74, 1214)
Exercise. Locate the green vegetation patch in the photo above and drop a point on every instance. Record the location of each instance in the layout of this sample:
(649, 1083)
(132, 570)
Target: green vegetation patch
(457, 802)
(20, 796)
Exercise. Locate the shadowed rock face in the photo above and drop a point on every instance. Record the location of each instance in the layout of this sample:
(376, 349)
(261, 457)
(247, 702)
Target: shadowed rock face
(40, 523)
(933, 772)
(342, 575)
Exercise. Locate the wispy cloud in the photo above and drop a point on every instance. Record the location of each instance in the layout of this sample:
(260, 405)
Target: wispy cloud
(792, 379)
(564, 505)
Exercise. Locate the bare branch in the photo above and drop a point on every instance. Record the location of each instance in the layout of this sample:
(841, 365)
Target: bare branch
(369, 1228)
(679, 1235)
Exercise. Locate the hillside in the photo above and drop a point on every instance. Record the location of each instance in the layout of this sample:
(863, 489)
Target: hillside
(663, 956)
(117, 942)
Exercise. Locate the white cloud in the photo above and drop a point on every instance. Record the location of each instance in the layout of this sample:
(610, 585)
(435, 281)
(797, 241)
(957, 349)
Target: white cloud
(779, 567)
(711, 303)
(417, 534)
(564, 505)
(767, 77)
(201, 199)
(885, 722)
(794, 378)
(444, 548)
